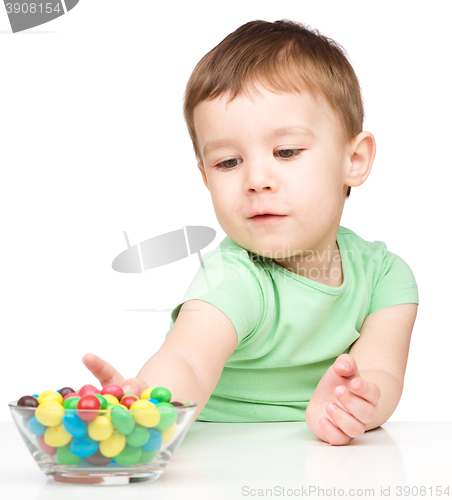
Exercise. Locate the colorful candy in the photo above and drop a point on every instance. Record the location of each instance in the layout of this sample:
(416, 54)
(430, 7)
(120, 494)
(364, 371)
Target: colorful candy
(167, 418)
(122, 420)
(84, 446)
(71, 403)
(75, 425)
(111, 399)
(138, 437)
(50, 450)
(35, 427)
(101, 427)
(113, 389)
(47, 413)
(148, 418)
(88, 402)
(128, 399)
(97, 459)
(88, 389)
(57, 436)
(71, 395)
(66, 457)
(128, 456)
(50, 396)
(112, 446)
(65, 391)
(28, 401)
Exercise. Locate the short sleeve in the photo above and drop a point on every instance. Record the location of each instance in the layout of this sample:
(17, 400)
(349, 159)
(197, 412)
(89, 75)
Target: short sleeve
(230, 281)
(395, 285)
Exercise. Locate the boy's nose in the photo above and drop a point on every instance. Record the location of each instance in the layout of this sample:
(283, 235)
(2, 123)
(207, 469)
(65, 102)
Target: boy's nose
(261, 176)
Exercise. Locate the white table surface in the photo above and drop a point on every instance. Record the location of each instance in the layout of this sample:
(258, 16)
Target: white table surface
(232, 461)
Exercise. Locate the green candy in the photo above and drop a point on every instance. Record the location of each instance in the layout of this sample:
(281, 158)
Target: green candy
(130, 395)
(66, 457)
(138, 437)
(147, 456)
(167, 417)
(129, 455)
(162, 394)
(102, 400)
(70, 403)
(122, 420)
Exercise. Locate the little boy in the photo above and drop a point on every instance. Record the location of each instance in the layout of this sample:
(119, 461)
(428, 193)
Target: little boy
(292, 317)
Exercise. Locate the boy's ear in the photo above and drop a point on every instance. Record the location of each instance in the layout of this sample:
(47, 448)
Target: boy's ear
(203, 173)
(361, 158)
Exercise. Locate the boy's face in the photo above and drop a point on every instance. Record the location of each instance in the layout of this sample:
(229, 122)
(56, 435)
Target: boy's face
(261, 172)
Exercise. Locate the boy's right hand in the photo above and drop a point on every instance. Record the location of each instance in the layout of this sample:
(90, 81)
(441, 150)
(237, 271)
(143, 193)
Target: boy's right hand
(106, 374)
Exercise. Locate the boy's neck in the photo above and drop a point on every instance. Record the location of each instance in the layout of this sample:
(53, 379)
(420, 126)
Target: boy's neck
(323, 266)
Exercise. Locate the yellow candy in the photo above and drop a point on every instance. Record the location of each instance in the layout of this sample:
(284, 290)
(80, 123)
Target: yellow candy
(111, 399)
(168, 434)
(142, 404)
(107, 414)
(100, 428)
(113, 445)
(50, 395)
(57, 436)
(48, 413)
(147, 418)
(146, 394)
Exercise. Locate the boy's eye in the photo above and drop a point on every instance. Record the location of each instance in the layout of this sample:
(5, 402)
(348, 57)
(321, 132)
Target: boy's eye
(228, 164)
(283, 153)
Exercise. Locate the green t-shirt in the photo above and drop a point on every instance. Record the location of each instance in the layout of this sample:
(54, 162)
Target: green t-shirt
(290, 329)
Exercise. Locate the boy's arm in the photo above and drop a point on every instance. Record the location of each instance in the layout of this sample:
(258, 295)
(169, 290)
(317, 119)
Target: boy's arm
(381, 353)
(189, 362)
(338, 410)
(191, 359)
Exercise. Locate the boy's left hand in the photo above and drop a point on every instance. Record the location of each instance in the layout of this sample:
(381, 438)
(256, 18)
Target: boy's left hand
(354, 408)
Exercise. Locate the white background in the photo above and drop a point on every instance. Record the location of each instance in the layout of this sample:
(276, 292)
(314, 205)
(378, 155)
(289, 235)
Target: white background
(93, 143)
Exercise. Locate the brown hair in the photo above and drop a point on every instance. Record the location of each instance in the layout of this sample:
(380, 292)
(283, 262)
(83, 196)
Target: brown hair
(283, 56)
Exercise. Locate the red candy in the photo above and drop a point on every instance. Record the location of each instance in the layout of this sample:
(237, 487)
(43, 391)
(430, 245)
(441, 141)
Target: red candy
(128, 400)
(71, 395)
(88, 402)
(113, 389)
(88, 389)
(50, 450)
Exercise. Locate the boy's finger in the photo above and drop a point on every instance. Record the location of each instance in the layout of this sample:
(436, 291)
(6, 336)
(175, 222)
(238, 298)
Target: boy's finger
(102, 370)
(345, 422)
(355, 405)
(366, 390)
(333, 434)
(134, 385)
(345, 366)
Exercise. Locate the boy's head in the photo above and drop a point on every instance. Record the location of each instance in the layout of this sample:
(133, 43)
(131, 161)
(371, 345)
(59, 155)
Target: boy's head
(264, 77)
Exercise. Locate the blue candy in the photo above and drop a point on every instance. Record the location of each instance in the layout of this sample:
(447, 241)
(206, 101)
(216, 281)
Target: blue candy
(155, 440)
(84, 447)
(154, 401)
(75, 425)
(35, 427)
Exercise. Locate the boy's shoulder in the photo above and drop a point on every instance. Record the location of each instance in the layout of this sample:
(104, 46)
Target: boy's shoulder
(359, 250)
(374, 257)
(358, 242)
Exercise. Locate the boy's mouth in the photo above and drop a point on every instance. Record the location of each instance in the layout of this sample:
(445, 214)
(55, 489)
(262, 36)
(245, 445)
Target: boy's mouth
(267, 217)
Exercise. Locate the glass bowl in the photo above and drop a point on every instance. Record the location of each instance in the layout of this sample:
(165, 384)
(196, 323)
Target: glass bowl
(51, 445)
